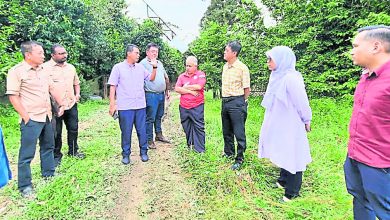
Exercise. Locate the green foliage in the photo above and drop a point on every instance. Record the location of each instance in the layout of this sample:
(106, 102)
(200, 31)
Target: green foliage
(82, 188)
(225, 21)
(8, 55)
(172, 60)
(250, 193)
(95, 33)
(208, 48)
(319, 32)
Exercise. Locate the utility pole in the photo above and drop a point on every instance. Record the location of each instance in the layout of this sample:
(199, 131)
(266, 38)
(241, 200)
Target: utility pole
(162, 25)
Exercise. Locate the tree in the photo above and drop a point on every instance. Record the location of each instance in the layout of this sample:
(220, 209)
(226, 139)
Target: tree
(94, 32)
(320, 33)
(225, 21)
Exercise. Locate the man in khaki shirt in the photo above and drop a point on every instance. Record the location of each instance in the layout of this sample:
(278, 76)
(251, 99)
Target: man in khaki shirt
(65, 80)
(28, 88)
(235, 93)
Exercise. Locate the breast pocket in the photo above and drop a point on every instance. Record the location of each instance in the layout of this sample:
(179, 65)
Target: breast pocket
(30, 79)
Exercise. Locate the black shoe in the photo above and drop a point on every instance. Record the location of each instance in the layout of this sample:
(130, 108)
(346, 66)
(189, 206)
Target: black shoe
(236, 166)
(27, 192)
(144, 157)
(126, 160)
(78, 155)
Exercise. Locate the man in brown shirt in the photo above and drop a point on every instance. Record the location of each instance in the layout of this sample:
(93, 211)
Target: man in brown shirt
(65, 79)
(28, 88)
(235, 93)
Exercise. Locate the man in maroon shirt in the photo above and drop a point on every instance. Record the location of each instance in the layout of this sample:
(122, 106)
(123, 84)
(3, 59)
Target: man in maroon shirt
(190, 85)
(367, 167)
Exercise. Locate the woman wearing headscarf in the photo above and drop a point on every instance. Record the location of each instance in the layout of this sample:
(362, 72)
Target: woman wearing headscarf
(287, 118)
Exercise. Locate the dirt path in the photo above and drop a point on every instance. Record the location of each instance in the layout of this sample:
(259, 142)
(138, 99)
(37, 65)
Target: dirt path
(153, 190)
(157, 189)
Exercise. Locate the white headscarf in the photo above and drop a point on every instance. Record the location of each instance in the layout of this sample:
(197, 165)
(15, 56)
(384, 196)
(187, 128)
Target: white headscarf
(285, 61)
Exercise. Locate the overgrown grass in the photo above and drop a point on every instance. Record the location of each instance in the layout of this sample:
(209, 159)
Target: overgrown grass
(84, 187)
(248, 193)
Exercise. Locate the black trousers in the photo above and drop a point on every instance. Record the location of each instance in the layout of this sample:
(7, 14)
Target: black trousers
(30, 133)
(234, 114)
(71, 120)
(291, 182)
(192, 121)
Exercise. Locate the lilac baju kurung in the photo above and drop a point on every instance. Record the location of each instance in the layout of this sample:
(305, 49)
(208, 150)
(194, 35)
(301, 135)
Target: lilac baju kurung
(283, 136)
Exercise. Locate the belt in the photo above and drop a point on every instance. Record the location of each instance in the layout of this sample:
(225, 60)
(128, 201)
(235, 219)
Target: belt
(231, 98)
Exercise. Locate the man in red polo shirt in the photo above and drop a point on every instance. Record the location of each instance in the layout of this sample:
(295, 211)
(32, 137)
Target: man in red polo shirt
(190, 85)
(367, 167)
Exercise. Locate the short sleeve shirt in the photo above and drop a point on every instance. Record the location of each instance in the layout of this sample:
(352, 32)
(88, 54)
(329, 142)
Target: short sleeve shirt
(129, 81)
(158, 84)
(64, 78)
(235, 78)
(32, 86)
(189, 101)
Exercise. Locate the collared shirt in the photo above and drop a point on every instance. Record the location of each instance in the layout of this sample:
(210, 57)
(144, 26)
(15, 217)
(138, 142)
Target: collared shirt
(189, 101)
(129, 81)
(235, 79)
(369, 129)
(158, 84)
(32, 86)
(64, 78)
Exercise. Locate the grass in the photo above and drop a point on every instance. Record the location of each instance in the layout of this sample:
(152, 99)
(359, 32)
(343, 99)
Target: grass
(83, 186)
(248, 193)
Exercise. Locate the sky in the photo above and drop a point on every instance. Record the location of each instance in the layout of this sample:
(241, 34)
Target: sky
(186, 14)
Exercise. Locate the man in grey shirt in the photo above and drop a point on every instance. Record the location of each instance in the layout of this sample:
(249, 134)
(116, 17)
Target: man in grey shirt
(155, 93)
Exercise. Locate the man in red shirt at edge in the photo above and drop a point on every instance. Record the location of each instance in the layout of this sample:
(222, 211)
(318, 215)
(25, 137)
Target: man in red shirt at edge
(367, 167)
(190, 85)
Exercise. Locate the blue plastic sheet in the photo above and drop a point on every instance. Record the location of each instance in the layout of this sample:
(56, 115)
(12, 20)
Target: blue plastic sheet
(5, 171)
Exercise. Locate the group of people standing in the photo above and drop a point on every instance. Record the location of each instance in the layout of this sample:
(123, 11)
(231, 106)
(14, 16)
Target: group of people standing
(35, 89)
(138, 92)
(287, 119)
(283, 136)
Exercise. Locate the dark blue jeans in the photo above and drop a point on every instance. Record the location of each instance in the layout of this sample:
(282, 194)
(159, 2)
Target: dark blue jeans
(71, 120)
(155, 104)
(370, 188)
(128, 118)
(192, 121)
(30, 133)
